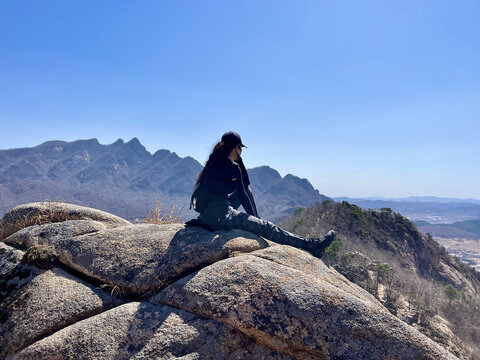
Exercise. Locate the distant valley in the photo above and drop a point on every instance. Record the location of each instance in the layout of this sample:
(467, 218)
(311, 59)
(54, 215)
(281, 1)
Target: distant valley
(453, 223)
(430, 209)
(461, 239)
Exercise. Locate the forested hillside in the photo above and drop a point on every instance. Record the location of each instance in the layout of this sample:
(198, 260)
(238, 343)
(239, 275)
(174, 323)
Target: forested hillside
(410, 273)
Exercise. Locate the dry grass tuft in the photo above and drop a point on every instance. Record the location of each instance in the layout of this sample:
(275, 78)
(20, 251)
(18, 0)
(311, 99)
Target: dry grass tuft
(114, 290)
(155, 215)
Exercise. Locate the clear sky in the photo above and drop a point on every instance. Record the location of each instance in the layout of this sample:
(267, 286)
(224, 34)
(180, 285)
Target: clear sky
(363, 98)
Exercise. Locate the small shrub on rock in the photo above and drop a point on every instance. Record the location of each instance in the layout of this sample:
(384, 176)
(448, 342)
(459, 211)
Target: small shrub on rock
(332, 251)
(41, 256)
(451, 292)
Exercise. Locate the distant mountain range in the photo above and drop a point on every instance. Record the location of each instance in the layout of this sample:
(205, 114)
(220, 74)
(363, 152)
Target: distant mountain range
(430, 199)
(125, 179)
(424, 208)
(469, 229)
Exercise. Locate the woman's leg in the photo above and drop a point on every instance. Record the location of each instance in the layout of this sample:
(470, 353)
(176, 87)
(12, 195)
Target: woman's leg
(240, 220)
(224, 216)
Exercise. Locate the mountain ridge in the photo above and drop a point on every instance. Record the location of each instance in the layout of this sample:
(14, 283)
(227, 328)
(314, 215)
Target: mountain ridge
(125, 179)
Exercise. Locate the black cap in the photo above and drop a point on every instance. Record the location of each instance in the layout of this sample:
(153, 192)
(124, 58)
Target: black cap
(232, 138)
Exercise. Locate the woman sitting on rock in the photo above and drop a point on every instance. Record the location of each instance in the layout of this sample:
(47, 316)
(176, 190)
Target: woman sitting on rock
(223, 185)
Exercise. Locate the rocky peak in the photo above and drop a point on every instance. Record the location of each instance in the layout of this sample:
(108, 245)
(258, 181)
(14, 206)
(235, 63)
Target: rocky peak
(263, 177)
(135, 145)
(86, 142)
(300, 182)
(52, 144)
(165, 156)
(117, 143)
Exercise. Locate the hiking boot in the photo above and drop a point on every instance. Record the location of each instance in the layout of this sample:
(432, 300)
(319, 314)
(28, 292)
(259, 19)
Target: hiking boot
(317, 246)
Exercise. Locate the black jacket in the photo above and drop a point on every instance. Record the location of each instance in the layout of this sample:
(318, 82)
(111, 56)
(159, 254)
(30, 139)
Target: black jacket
(229, 179)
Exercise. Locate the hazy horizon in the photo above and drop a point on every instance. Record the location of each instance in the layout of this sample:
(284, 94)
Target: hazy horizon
(364, 99)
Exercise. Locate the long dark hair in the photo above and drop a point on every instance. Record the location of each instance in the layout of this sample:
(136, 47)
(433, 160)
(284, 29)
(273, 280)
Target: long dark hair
(220, 150)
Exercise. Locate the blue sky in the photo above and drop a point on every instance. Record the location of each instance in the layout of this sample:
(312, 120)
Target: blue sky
(363, 98)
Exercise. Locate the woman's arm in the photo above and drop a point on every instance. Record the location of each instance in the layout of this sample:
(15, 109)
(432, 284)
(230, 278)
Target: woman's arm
(252, 201)
(245, 178)
(239, 186)
(246, 183)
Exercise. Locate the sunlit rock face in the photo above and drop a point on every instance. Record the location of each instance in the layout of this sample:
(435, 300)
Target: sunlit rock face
(117, 290)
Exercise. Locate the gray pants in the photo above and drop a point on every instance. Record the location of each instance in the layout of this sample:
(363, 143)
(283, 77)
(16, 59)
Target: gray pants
(220, 213)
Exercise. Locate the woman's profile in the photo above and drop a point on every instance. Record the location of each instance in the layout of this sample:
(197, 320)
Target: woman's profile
(223, 185)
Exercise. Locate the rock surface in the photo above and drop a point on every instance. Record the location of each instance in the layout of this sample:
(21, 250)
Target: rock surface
(290, 301)
(142, 258)
(146, 331)
(43, 212)
(47, 234)
(213, 295)
(13, 272)
(48, 303)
